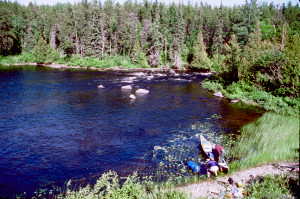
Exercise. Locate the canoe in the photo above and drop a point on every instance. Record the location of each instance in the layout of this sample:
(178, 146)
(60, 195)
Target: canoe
(206, 147)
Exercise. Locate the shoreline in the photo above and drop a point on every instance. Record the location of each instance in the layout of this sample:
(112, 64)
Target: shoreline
(216, 188)
(117, 68)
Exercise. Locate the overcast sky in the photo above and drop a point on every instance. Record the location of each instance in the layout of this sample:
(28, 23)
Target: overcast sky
(210, 2)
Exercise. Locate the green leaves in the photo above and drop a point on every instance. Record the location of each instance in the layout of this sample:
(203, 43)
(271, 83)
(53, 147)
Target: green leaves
(200, 59)
(43, 52)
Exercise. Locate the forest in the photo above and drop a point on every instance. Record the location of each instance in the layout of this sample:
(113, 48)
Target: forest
(255, 44)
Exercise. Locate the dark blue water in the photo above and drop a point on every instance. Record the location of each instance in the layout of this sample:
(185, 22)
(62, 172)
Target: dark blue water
(56, 125)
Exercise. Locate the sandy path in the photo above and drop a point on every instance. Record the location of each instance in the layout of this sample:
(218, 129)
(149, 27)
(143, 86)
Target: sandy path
(212, 188)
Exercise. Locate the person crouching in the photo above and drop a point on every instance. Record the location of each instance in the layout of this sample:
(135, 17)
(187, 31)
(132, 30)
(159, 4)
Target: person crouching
(212, 167)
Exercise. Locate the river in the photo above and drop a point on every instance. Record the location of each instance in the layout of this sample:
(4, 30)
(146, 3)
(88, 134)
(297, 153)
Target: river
(57, 125)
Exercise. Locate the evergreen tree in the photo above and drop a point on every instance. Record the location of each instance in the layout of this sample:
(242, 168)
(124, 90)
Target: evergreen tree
(231, 62)
(7, 32)
(43, 51)
(218, 37)
(200, 59)
(176, 35)
(156, 43)
(94, 44)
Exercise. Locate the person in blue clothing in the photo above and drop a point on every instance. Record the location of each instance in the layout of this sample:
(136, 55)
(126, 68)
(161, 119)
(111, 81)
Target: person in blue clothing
(212, 167)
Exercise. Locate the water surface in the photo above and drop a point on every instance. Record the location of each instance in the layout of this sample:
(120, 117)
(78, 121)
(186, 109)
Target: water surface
(57, 125)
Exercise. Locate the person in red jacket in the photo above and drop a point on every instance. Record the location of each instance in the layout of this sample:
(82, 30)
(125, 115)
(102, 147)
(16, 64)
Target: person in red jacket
(219, 153)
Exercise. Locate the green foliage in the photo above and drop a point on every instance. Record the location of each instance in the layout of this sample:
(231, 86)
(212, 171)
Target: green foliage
(7, 33)
(272, 186)
(231, 62)
(249, 94)
(43, 52)
(109, 186)
(200, 59)
(271, 138)
(106, 62)
(142, 61)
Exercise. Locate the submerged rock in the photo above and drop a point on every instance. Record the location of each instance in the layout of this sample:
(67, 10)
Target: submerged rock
(127, 87)
(218, 94)
(141, 91)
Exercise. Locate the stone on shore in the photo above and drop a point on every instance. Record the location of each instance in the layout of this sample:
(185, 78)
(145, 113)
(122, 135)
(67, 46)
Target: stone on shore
(218, 94)
(141, 91)
(235, 101)
(127, 87)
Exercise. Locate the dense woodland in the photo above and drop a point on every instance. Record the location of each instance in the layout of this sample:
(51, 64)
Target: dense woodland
(256, 42)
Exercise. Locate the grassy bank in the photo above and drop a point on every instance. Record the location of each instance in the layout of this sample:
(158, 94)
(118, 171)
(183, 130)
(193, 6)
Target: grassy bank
(248, 94)
(271, 138)
(105, 62)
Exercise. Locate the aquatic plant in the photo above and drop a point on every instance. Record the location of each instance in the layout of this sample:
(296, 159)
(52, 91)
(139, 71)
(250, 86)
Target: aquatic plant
(172, 157)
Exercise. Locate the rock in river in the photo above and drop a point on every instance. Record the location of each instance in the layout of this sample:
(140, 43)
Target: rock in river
(141, 91)
(127, 87)
(132, 96)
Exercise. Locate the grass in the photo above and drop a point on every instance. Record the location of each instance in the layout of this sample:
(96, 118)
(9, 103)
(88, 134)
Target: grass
(274, 186)
(110, 185)
(271, 138)
(106, 62)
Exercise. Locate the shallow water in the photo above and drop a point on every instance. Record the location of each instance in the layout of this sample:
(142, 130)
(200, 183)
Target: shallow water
(57, 125)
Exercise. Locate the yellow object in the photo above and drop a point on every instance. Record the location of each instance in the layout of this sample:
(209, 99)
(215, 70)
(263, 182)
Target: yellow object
(240, 184)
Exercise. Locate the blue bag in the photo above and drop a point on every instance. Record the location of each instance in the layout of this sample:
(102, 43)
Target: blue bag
(195, 167)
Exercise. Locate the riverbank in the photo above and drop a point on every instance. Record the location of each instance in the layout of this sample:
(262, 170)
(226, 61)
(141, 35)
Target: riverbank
(266, 147)
(220, 187)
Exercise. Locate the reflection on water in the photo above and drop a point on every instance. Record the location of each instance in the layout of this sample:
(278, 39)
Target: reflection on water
(57, 125)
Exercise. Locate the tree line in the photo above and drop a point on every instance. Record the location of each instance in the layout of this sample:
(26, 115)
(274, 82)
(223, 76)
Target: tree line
(251, 42)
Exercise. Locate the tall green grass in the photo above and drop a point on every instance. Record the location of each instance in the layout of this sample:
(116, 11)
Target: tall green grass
(271, 138)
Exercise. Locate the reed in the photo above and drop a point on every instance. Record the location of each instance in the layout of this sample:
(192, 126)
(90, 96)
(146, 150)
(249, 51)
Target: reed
(271, 138)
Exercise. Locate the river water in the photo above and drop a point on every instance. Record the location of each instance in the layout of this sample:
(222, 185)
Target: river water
(57, 125)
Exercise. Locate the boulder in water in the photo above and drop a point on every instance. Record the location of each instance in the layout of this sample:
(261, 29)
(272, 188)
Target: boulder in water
(141, 91)
(132, 96)
(127, 87)
(101, 86)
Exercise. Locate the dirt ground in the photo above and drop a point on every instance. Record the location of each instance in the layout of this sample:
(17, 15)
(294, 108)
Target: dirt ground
(213, 187)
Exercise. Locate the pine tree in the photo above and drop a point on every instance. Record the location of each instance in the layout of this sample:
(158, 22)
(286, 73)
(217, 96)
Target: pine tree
(7, 33)
(156, 43)
(231, 61)
(43, 51)
(176, 35)
(219, 34)
(93, 46)
(200, 59)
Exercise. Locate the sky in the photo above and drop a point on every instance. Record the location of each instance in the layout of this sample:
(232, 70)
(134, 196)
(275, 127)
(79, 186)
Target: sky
(209, 2)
